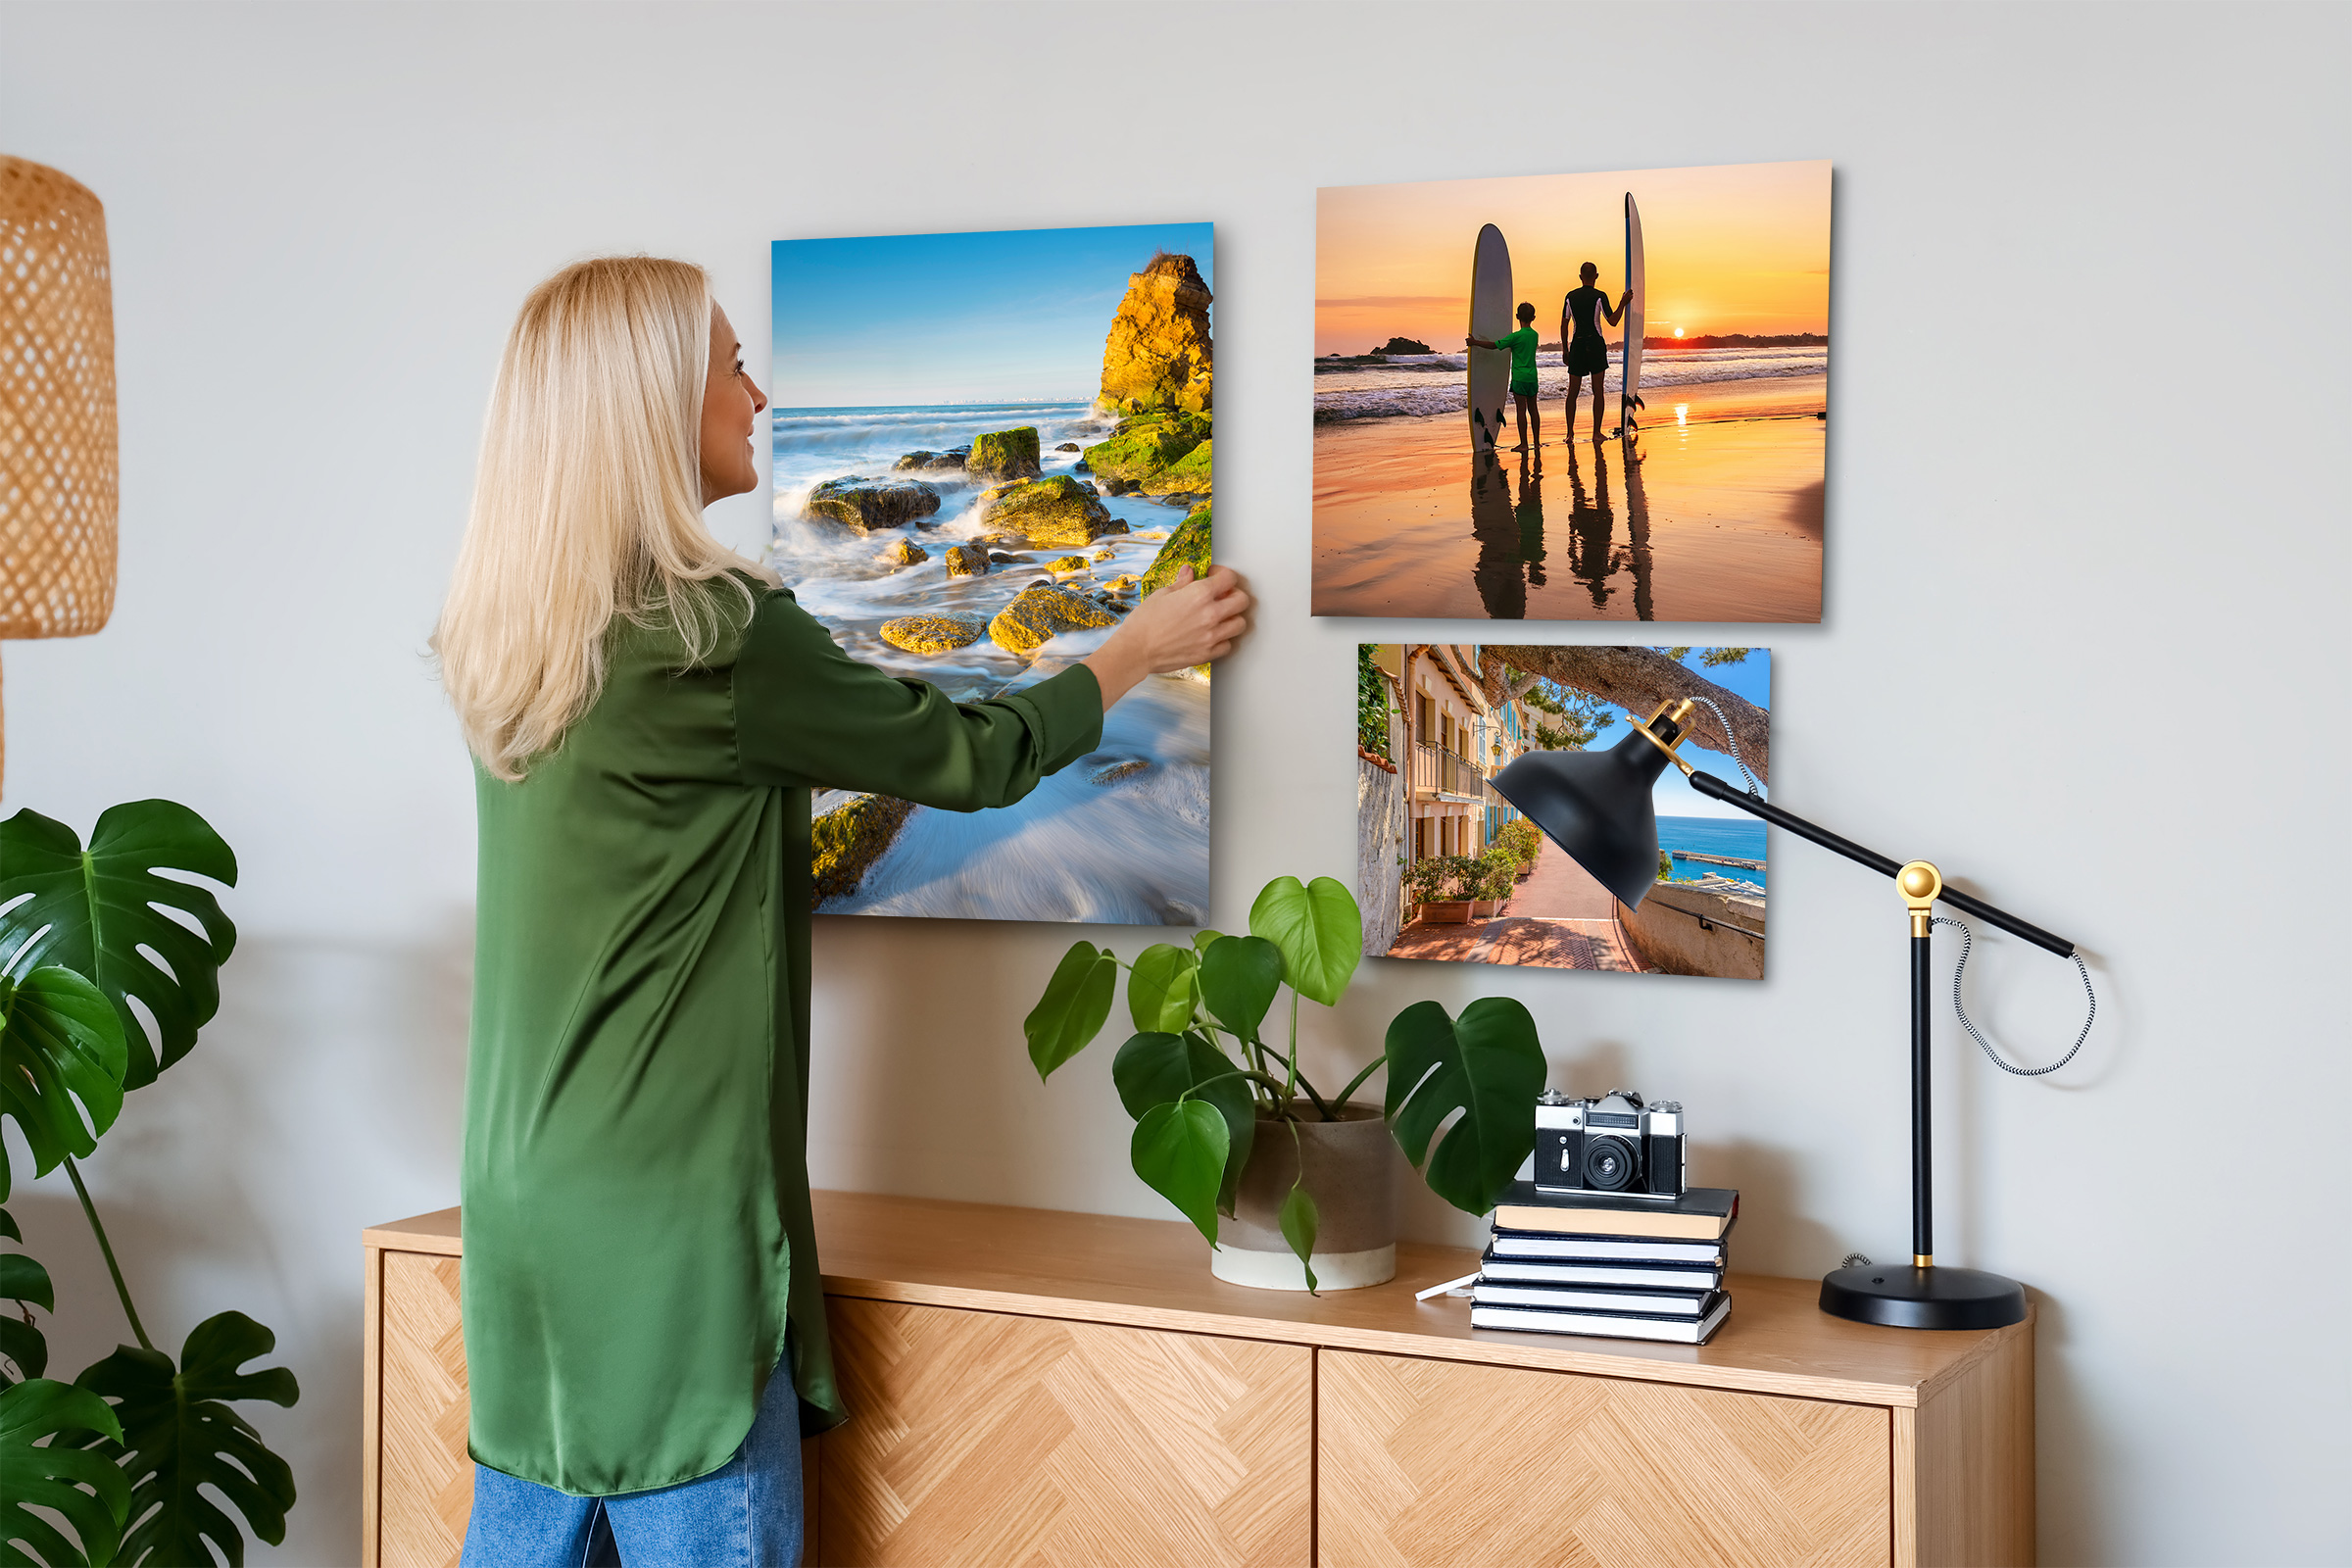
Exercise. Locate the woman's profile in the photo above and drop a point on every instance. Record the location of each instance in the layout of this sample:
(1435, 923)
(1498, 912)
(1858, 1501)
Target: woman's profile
(1582, 347)
(648, 711)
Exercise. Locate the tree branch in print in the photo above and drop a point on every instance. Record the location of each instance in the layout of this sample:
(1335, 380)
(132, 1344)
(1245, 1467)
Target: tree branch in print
(1637, 681)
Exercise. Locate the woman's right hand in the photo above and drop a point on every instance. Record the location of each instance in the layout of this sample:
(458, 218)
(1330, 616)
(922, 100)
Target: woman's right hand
(1190, 622)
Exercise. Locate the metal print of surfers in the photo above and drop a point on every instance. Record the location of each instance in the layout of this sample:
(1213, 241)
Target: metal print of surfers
(1678, 470)
(977, 502)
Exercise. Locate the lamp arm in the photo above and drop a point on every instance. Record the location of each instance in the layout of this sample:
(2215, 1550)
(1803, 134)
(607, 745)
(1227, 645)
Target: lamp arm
(1713, 788)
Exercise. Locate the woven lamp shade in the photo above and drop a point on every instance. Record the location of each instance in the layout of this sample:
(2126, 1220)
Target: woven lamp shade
(57, 407)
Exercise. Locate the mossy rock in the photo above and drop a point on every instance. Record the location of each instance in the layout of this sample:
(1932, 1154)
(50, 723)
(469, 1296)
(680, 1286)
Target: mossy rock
(1188, 546)
(905, 552)
(966, 561)
(1146, 444)
(1006, 557)
(1189, 473)
(1069, 445)
(915, 460)
(1116, 771)
(1067, 564)
(1056, 511)
(845, 842)
(933, 634)
(1004, 454)
(1039, 614)
(870, 506)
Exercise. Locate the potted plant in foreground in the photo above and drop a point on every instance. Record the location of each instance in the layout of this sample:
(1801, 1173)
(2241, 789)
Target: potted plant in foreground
(1291, 1187)
(122, 1465)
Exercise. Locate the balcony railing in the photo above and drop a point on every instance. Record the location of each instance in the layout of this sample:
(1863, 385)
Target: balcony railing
(1439, 772)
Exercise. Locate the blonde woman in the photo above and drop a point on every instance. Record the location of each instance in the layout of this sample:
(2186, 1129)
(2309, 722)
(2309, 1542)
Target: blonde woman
(645, 1336)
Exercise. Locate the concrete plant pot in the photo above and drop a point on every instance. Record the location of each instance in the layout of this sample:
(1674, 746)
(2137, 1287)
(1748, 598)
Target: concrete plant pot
(1351, 1173)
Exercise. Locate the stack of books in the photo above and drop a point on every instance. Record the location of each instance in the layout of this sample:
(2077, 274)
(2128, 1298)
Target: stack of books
(1635, 1268)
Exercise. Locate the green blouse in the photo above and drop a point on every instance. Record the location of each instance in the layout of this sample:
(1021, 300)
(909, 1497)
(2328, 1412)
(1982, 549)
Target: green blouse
(638, 1240)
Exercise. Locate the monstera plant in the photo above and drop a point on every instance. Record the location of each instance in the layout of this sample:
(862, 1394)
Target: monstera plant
(1199, 1077)
(124, 1456)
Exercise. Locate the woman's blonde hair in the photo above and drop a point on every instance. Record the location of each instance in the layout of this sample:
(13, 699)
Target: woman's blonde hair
(587, 504)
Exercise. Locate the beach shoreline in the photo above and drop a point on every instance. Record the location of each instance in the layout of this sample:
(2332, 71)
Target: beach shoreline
(1718, 517)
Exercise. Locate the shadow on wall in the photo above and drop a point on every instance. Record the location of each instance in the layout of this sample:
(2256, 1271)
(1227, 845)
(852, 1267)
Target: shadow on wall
(324, 1097)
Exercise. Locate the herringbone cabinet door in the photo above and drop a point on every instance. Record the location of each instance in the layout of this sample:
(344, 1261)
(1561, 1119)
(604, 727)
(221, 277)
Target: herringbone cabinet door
(985, 1439)
(1428, 1463)
(427, 1479)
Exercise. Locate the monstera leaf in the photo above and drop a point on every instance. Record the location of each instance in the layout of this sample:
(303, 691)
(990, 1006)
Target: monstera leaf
(23, 1284)
(1156, 1068)
(1238, 976)
(1072, 1010)
(1300, 1220)
(93, 911)
(1319, 930)
(41, 1466)
(1163, 988)
(1488, 1063)
(62, 1059)
(178, 1434)
(1180, 1148)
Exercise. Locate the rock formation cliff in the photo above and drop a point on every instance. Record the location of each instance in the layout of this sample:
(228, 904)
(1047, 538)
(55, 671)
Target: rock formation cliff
(1157, 354)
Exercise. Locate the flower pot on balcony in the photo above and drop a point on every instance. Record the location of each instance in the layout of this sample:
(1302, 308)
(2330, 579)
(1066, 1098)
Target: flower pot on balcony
(1351, 1173)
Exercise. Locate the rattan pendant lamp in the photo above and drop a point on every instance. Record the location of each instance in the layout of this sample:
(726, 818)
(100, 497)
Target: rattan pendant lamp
(58, 460)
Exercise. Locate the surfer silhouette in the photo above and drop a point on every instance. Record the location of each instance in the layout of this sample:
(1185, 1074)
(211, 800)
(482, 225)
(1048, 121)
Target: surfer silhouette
(1582, 348)
(1521, 345)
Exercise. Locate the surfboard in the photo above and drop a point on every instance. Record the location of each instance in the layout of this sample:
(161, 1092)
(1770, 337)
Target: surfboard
(1489, 318)
(1629, 380)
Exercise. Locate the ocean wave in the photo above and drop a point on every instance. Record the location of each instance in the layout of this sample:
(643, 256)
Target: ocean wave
(801, 437)
(1378, 392)
(1134, 851)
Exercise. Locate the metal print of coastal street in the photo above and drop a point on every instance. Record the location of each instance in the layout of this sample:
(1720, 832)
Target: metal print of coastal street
(987, 448)
(1574, 397)
(1448, 870)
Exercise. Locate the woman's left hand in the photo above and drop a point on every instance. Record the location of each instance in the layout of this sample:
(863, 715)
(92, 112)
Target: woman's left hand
(1190, 622)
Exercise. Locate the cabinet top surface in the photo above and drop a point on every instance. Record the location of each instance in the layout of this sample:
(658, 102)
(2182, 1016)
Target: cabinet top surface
(1150, 1273)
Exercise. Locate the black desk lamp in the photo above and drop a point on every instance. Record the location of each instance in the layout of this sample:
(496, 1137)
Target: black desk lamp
(1596, 807)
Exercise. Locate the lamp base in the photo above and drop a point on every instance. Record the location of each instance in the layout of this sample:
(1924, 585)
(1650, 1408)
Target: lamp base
(1904, 1296)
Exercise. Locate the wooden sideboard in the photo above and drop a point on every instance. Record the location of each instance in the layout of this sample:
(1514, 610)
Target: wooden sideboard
(1035, 1386)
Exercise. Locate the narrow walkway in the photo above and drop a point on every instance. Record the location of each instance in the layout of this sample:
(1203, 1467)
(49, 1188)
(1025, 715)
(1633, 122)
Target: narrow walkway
(1545, 943)
(1560, 889)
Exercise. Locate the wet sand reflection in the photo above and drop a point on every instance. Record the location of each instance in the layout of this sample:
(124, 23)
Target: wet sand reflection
(1721, 520)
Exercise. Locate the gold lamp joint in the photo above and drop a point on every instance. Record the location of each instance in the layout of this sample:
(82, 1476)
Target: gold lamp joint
(1676, 712)
(1921, 883)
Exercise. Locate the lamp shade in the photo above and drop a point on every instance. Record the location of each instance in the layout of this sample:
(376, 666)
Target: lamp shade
(1596, 807)
(57, 407)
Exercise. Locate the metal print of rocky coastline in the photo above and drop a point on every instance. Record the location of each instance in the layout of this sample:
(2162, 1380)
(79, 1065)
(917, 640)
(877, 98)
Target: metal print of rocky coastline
(1574, 397)
(987, 447)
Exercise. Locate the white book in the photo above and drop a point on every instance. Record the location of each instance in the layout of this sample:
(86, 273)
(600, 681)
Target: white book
(1486, 1293)
(1536, 1271)
(1511, 1244)
(1604, 1325)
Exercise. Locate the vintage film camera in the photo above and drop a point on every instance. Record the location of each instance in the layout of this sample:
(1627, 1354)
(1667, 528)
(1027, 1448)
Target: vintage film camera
(1614, 1145)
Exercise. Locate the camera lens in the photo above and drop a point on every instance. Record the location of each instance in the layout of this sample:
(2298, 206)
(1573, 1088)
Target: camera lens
(1608, 1165)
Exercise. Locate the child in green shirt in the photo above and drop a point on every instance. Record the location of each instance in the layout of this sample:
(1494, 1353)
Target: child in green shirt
(1522, 347)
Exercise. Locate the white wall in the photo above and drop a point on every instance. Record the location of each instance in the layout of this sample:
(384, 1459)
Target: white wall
(2082, 638)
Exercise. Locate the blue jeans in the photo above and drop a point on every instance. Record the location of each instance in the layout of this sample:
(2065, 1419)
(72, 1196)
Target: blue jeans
(745, 1514)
